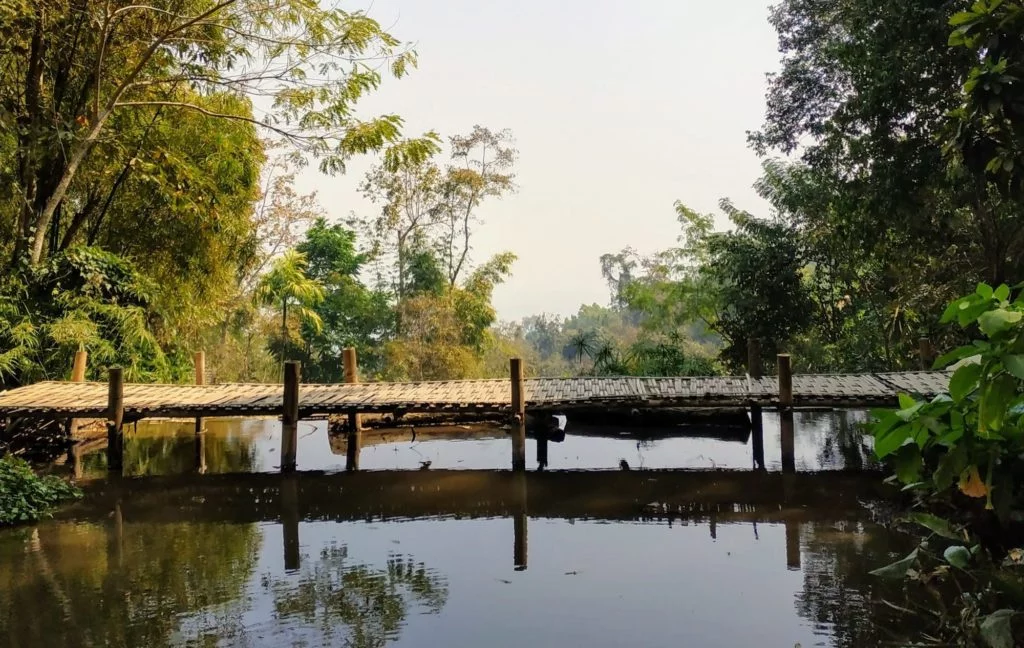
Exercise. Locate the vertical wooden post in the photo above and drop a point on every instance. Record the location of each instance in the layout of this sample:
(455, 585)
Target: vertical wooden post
(78, 370)
(542, 448)
(754, 357)
(785, 381)
(290, 417)
(199, 360)
(115, 419)
(518, 415)
(926, 352)
(350, 365)
(290, 523)
(77, 375)
(786, 428)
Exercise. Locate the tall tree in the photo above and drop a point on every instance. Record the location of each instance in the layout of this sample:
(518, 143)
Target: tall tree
(68, 69)
(287, 287)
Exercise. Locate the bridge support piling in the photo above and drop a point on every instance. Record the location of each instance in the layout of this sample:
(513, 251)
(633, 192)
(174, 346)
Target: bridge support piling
(787, 432)
(290, 417)
(350, 365)
(757, 435)
(518, 415)
(115, 419)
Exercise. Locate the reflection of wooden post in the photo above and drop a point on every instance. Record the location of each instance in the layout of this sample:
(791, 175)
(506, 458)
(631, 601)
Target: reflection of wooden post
(350, 362)
(519, 523)
(757, 436)
(754, 357)
(290, 417)
(115, 419)
(925, 351)
(115, 541)
(792, 545)
(518, 415)
(290, 523)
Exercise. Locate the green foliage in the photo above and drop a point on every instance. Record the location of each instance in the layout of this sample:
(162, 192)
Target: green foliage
(27, 497)
(973, 436)
(83, 299)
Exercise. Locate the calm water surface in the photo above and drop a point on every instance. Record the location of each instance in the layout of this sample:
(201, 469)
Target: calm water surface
(461, 556)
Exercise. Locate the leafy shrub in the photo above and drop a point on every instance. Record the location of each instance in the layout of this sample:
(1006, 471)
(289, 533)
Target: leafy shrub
(27, 497)
(972, 436)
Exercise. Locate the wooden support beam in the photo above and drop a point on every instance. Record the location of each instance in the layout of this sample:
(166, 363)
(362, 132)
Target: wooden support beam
(115, 419)
(290, 417)
(787, 428)
(754, 367)
(926, 352)
(199, 362)
(518, 414)
(757, 436)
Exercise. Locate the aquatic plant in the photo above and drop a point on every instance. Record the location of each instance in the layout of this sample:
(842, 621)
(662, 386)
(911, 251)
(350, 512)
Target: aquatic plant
(28, 497)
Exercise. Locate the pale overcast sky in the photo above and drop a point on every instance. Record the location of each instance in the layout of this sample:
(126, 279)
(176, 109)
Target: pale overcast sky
(619, 107)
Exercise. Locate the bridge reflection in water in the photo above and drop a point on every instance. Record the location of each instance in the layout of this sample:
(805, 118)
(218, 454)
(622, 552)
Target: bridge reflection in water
(693, 496)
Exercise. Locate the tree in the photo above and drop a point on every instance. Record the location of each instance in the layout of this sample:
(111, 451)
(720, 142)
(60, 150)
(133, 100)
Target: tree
(70, 69)
(287, 287)
(350, 314)
(488, 158)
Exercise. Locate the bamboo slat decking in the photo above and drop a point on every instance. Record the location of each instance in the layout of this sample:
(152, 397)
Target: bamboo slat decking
(85, 400)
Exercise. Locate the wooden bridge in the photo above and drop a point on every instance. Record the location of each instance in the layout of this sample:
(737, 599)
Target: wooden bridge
(60, 400)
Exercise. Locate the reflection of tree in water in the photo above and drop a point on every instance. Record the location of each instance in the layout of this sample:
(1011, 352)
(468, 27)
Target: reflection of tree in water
(839, 594)
(370, 602)
(170, 449)
(839, 439)
(119, 585)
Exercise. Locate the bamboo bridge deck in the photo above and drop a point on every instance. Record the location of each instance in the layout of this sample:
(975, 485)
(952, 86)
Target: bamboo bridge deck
(90, 400)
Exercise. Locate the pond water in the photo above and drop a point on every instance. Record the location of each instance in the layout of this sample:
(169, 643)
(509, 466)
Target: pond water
(462, 554)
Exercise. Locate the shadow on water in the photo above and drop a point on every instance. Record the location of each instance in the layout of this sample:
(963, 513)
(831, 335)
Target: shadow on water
(464, 555)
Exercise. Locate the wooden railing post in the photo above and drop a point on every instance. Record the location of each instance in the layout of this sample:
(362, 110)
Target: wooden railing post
(754, 357)
(290, 417)
(199, 361)
(518, 415)
(78, 370)
(350, 364)
(785, 381)
(926, 353)
(115, 419)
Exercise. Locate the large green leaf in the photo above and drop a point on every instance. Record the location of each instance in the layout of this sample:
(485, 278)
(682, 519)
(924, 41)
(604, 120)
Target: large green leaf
(996, 321)
(1014, 363)
(897, 569)
(889, 442)
(935, 524)
(996, 629)
(958, 353)
(995, 400)
(964, 381)
(907, 463)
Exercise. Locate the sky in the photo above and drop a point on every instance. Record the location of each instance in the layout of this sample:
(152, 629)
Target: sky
(619, 108)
